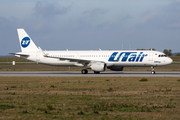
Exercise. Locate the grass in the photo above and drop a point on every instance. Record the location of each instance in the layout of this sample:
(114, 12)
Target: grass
(175, 58)
(10, 59)
(89, 98)
(143, 79)
(4, 107)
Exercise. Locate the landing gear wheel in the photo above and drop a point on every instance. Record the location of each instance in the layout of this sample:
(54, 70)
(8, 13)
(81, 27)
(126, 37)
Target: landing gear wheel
(96, 72)
(152, 70)
(84, 71)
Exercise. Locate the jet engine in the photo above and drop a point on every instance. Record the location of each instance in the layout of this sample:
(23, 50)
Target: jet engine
(116, 68)
(98, 66)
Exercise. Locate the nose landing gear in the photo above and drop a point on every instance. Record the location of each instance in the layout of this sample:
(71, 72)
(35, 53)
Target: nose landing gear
(152, 70)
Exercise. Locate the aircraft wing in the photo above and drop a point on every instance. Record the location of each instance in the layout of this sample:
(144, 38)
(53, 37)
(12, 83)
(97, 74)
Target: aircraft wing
(83, 61)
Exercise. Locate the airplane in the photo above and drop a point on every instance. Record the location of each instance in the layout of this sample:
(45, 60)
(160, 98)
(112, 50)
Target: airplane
(98, 60)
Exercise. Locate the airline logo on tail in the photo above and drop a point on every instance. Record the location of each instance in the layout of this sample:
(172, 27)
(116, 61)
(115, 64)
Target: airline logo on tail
(25, 42)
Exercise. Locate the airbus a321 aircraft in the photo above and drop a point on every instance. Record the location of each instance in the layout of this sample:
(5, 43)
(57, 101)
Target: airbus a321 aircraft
(98, 61)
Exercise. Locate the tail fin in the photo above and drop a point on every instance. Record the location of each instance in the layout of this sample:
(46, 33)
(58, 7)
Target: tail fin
(26, 43)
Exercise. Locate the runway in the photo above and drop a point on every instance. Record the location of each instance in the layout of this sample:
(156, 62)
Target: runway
(90, 74)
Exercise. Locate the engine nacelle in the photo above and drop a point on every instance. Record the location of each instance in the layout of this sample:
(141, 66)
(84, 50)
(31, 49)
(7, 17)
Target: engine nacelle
(98, 66)
(116, 68)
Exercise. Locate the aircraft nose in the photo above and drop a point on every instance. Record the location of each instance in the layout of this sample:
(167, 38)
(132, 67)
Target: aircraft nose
(169, 61)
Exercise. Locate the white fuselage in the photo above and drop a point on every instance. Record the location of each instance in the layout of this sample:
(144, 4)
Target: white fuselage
(111, 58)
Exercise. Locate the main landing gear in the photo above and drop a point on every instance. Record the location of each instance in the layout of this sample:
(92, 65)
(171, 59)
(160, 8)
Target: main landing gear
(84, 71)
(96, 72)
(152, 70)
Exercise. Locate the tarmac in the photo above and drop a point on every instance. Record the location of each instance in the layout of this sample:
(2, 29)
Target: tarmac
(90, 74)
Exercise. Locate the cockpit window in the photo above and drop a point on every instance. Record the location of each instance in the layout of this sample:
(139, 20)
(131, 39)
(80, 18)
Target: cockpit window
(162, 56)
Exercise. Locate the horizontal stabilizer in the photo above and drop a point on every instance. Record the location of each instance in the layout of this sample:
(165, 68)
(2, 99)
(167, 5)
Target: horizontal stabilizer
(21, 54)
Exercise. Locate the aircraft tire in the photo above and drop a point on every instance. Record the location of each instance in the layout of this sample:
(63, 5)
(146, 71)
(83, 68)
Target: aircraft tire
(153, 72)
(84, 71)
(96, 72)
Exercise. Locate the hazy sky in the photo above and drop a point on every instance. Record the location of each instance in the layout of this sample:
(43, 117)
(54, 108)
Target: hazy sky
(91, 24)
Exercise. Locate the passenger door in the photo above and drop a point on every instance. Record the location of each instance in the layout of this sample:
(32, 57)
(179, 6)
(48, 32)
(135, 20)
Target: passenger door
(150, 58)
